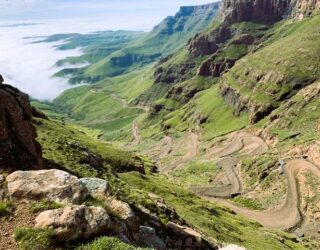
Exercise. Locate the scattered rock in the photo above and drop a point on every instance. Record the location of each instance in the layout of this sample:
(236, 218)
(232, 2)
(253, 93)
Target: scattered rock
(54, 185)
(96, 187)
(74, 222)
(149, 237)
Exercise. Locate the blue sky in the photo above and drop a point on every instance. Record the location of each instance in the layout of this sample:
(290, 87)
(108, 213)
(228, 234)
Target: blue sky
(150, 11)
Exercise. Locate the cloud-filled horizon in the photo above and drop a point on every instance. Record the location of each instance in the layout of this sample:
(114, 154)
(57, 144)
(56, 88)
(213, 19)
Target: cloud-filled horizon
(30, 66)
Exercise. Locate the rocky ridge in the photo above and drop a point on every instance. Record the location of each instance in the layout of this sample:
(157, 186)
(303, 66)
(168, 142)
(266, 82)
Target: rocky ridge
(233, 11)
(19, 148)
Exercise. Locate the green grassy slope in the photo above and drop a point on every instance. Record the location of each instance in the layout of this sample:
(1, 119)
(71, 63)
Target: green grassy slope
(65, 146)
(95, 47)
(72, 149)
(104, 107)
(288, 61)
(170, 35)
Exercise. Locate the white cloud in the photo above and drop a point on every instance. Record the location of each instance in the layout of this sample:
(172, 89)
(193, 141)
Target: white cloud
(30, 66)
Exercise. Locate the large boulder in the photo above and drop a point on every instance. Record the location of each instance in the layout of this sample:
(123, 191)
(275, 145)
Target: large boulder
(18, 147)
(96, 187)
(75, 222)
(53, 185)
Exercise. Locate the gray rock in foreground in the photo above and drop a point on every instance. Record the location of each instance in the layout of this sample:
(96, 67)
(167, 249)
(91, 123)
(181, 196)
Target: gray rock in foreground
(75, 222)
(53, 185)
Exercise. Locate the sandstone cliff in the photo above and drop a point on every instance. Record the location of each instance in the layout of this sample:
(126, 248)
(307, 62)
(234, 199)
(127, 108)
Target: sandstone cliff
(18, 148)
(233, 11)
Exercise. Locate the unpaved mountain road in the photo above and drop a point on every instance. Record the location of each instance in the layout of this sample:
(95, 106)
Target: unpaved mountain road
(289, 215)
(226, 153)
(240, 143)
(192, 151)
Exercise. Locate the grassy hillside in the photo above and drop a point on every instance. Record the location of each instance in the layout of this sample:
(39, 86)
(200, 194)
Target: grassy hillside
(95, 47)
(288, 61)
(104, 107)
(65, 147)
(170, 35)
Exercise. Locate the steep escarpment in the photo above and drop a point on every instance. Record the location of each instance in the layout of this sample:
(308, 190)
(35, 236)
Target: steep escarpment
(167, 37)
(17, 134)
(233, 11)
(265, 10)
(261, 81)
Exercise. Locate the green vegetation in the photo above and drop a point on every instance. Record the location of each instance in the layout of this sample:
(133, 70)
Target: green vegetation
(34, 238)
(5, 208)
(96, 46)
(196, 173)
(170, 35)
(79, 153)
(44, 205)
(214, 221)
(266, 78)
(104, 108)
(256, 166)
(211, 107)
(247, 202)
(277, 71)
(108, 243)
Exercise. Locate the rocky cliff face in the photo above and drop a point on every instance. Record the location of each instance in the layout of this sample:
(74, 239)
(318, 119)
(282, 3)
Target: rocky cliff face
(233, 11)
(18, 148)
(305, 7)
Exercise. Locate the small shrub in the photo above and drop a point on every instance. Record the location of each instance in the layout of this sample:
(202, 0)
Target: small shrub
(108, 243)
(44, 205)
(5, 208)
(34, 238)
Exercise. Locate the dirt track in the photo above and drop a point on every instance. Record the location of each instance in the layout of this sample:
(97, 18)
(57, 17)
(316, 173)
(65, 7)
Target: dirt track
(192, 151)
(226, 153)
(289, 215)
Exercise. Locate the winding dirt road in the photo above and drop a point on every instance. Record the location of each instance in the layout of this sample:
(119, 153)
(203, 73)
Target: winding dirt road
(288, 216)
(226, 153)
(191, 153)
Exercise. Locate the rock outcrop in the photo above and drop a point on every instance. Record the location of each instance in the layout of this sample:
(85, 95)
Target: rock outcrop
(97, 187)
(18, 148)
(269, 11)
(53, 185)
(233, 11)
(74, 222)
